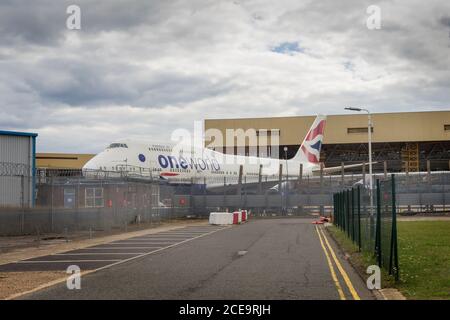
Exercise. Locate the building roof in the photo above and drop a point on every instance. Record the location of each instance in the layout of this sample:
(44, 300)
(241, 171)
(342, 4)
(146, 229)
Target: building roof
(62, 160)
(18, 133)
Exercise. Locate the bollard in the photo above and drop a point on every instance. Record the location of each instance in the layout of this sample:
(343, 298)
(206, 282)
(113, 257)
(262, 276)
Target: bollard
(90, 232)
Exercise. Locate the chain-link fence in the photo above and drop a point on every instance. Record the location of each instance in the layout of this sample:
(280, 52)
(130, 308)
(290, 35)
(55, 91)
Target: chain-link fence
(68, 202)
(372, 228)
(16, 185)
(76, 200)
(386, 227)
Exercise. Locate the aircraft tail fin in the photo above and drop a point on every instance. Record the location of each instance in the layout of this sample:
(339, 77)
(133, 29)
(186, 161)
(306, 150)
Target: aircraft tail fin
(309, 150)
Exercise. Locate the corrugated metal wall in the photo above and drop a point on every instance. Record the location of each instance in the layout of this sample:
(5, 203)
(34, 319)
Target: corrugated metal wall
(15, 188)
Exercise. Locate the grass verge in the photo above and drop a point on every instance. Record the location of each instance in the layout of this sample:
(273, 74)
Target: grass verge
(359, 260)
(424, 259)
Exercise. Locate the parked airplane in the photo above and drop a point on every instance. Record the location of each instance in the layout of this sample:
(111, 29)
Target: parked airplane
(184, 164)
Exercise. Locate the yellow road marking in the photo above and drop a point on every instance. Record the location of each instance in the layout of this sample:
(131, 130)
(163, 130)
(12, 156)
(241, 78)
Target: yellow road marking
(330, 265)
(341, 270)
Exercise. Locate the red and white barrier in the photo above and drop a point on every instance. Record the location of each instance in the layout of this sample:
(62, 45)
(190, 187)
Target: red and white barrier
(244, 215)
(236, 217)
(239, 217)
(225, 218)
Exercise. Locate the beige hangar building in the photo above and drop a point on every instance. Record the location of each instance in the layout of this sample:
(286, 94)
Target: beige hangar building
(406, 141)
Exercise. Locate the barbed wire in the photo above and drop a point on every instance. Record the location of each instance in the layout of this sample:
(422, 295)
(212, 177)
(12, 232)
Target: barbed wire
(14, 169)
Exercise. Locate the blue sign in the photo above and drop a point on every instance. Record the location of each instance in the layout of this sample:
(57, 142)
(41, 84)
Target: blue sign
(141, 157)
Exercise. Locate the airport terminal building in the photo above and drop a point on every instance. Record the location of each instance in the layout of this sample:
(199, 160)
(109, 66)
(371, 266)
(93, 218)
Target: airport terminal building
(405, 141)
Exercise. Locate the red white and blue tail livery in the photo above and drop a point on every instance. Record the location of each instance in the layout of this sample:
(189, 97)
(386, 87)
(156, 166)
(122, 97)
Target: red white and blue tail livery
(309, 151)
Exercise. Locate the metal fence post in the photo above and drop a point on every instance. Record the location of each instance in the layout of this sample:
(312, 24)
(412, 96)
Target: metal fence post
(191, 198)
(259, 179)
(204, 196)
(359, 217)
(364, 173)
(38, 235)
(172, 207)
(341, 221)
(348, 212)
(353, 214)
(393, 257)
(378, 226)
(280, 189)
(51, 205)
(334, 208)
(245, 193)
(224, 192)
(300, 174)
(22, 204)
(337, 211)
(321, 177)
(342, 210)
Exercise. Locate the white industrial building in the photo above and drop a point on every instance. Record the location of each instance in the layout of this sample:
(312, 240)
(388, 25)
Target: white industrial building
(17, 169)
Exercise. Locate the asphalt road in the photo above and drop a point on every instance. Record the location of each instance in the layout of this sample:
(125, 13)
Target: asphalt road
(262, 259)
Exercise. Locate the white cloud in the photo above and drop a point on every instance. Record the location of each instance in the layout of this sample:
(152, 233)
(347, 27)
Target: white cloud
(142, 69)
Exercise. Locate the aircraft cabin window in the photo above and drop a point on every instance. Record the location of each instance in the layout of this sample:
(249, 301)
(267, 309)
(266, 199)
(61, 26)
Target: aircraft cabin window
(117, 145)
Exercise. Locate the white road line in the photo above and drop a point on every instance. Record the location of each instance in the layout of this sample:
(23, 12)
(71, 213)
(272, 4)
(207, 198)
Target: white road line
(14, 296)
(170, 235)
(178, 233)
(156, 239)
(123, 248)
(66, 261)
(142, 241)
(167, 236)
(198, 230)
(152, 239)
(149, 242)
(161, 237)
(194, 230)
(96, 253)
(154, 251)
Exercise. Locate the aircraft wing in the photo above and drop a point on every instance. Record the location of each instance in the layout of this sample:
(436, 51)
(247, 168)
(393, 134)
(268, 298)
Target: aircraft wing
(329, 170)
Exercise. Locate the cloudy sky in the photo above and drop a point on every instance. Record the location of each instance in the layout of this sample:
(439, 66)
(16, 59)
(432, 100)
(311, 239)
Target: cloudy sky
(142, 68)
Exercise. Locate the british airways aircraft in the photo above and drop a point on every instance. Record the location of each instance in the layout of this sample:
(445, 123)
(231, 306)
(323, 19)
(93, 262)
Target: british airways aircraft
(186, 164)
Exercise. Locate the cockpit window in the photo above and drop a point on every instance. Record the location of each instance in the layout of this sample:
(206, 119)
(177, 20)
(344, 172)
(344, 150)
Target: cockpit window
(117, 145)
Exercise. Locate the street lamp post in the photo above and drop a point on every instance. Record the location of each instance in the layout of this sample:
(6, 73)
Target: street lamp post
(370, 153)
(285, 157)
(287, 176)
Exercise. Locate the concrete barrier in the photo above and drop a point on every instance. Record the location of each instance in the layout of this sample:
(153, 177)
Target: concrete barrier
(221, 218)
